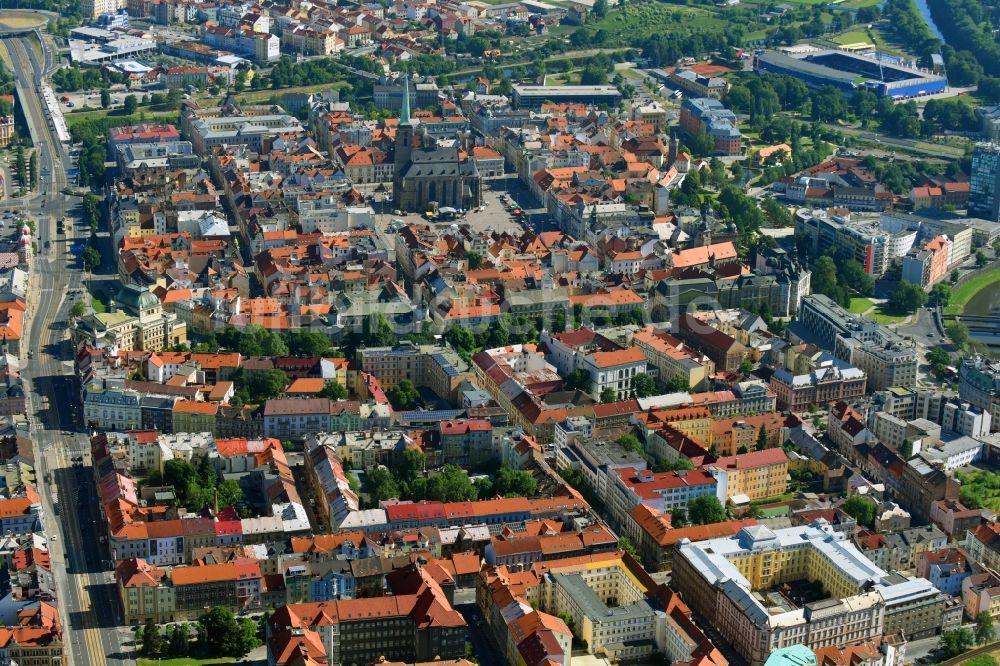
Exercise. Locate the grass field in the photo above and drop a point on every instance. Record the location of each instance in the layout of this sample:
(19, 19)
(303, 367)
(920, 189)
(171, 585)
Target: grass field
(964, 292)
(860, 305)
(646, 19)
(77, 118)
(264, 95)
(852, 37)
(99, 301)
(15, 20)
(884, 318)
(563, 79)
(184, 661)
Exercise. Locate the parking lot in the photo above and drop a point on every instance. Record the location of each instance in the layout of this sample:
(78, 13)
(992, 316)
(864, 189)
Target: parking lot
(92, 99)
(493, 215)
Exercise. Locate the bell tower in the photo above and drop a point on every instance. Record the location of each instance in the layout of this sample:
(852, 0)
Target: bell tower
(404, 144)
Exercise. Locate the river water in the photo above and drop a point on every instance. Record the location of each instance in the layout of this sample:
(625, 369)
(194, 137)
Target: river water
(985, 302)
(926, 11)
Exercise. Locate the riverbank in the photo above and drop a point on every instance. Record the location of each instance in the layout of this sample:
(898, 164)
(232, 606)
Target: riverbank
(964, 292)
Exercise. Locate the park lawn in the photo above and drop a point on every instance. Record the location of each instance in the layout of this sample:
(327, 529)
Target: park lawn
(964, 292)
(882, 317)
(99, 301)
(184, 661)
(79, 117)
(860, 305)
(642, 20)
(950, 151)
(858, 4)
(563, 79)
(268, 93)
(16, 20)
(981, 484)
(787, 497)
(852, 37)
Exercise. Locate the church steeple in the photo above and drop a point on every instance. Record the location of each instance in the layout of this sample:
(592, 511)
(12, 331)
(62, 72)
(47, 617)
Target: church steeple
(404, 111)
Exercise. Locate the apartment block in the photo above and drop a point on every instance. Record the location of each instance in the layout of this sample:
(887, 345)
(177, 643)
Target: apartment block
(674, 359)
(886, 358)
(979, 384)
(663, 491)
(719, 577)
(437, 367)
(751, 476)
(830, 382)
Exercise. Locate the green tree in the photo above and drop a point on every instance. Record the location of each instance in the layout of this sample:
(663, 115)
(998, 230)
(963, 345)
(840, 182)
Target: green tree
(412, 466)
(451, 485)
(862, 509)
(626, 544)
(33, 170)
(308, 343)
(906, 450)
(462, 339)
(378, 331)
(579, 379)
(938, 359)
(679, 464)
(705, 510)
(105, 98)
(21, 167)
(981, 259)
(824, 277)
(152, 641)
(941, 293)
(260, 385)
(985, 631)
(178, 472)
(643, 385)
(229, 493)
(77, 310)
(954, 643)
(91, 258)
(959, 334)
(678, 517)
(608, 395)
(334, 391)
(512, 482)
(474, 259)
(600, 8)
(131, 103)
(403, 395)
(630, 442)
(762, 438)
(853, 275)
(382, 485)
(177, 644)
(223, 635)
(907, 298)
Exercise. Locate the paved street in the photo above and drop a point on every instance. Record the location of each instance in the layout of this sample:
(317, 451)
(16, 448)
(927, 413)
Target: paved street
(87, 598)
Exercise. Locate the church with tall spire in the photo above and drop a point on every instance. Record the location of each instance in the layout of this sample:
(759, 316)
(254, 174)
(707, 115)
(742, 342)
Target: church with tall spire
(432, 173)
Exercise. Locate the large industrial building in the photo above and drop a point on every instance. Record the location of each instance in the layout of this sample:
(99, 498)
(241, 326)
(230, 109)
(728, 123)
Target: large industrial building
(848, 71)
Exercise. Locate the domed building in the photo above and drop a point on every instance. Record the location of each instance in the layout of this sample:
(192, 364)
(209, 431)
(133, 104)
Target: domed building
(24, 247)
(135, 320)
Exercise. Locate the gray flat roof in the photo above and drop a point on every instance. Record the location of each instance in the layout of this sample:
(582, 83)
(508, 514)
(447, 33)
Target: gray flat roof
(566, 90)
